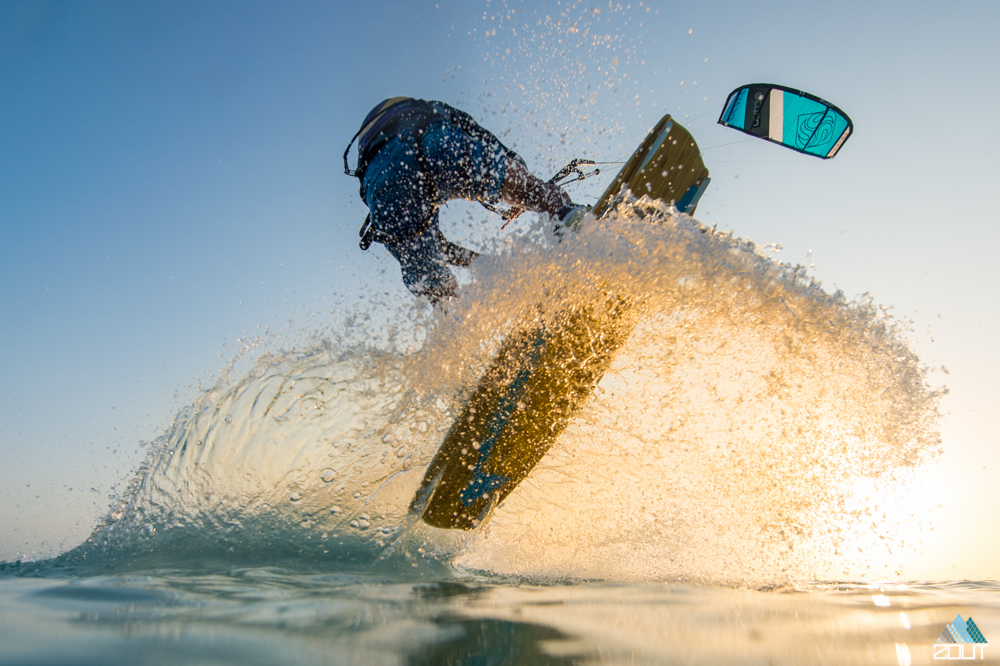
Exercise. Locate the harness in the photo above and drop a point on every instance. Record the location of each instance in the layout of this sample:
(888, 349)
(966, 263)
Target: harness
(386, 122)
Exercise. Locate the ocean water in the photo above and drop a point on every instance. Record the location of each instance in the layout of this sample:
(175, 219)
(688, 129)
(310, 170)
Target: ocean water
(756, 440)
(279, 616)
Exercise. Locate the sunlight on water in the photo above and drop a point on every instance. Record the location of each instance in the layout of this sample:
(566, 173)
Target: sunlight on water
(731, 441)
(266, 616)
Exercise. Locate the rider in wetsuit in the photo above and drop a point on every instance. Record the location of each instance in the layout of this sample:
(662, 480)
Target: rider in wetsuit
(413, 157)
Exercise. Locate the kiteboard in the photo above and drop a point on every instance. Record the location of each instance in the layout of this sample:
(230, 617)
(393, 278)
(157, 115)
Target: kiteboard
(543, 374)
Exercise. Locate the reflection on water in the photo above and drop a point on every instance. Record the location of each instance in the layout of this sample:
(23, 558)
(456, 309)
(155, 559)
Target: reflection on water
(265, 616)
(477, 641)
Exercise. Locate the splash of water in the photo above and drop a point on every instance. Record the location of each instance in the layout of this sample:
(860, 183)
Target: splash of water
(723, 444)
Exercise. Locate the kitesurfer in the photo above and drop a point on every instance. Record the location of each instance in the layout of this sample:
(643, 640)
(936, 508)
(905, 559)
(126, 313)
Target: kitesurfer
(416, 155)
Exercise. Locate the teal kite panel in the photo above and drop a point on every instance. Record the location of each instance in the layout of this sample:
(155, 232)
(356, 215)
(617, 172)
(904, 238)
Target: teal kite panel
(736, 108)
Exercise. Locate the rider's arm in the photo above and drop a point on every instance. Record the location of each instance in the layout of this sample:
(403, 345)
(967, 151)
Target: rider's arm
(522, 189)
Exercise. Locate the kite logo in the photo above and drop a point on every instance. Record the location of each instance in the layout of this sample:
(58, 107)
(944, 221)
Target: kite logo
(758, 100)
(960, 633)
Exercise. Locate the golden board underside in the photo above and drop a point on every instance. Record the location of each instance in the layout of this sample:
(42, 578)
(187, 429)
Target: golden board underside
(667, 175)
(543, 374)
(537, 382)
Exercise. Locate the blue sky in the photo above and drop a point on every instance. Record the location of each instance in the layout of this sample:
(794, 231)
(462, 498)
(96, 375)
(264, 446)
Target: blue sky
(171, 183)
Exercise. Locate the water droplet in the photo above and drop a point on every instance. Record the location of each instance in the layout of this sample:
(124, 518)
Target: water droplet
(296, 496)
(228, 419)
(400, 452)
(335, 510)
(327, 475)
(356, 494)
